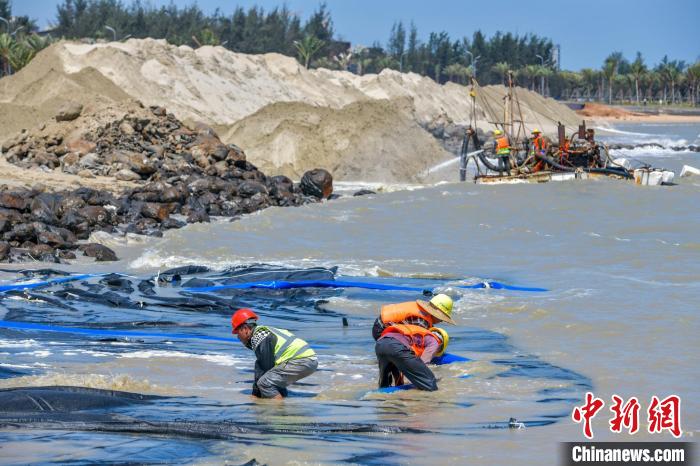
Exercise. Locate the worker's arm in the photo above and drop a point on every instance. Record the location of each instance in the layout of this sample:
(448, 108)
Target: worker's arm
(264, 359)
(377, 328)
(431, 347)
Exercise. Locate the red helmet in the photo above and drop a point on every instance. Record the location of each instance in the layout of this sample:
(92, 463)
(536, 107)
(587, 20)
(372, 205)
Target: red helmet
(240, 317)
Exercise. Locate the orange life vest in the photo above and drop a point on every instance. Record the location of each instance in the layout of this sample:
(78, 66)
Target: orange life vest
(417, 334)
(502, 146)
(539, 144)
(564, 149)
(397, 313)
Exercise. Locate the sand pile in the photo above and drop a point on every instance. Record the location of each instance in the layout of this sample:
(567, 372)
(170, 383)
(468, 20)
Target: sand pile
(353, 142)
(221, 88)
(592, 110)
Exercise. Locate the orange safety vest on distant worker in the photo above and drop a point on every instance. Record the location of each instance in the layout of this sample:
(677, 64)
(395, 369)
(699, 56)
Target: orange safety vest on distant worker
(417, 334)
(399, 312)
(564, 149)
(502, 146)
(539, 144)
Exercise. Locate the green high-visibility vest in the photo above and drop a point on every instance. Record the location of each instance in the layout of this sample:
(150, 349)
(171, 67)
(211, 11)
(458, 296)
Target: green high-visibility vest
(288, 346)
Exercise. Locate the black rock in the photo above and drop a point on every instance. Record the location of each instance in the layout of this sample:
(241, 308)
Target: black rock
(14, 200)
(251, 188)
(198, 216)
(4, 250)
(98, 251)
(364, 192)
(172, 223)
(317, 183)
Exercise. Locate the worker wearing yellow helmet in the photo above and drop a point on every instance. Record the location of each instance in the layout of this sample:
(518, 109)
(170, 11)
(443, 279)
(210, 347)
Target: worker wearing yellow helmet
(538, 146)
(407, 340)
(501, 147)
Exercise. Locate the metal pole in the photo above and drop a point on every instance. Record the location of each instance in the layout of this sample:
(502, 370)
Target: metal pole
(13, 34)
(401, 61)
(114, 33)
(7, 23)
(541, 77)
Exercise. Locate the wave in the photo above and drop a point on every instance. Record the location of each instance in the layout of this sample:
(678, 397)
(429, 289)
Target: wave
(119, 382)
(619, 131)
(218, 359)
(154, 260)
(648, 151)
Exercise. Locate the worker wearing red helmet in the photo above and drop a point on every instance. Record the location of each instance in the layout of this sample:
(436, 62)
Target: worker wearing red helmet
(281, 358)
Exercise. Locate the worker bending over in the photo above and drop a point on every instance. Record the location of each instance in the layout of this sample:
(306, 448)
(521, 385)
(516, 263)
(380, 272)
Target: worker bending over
(281, 358)
(407, 340)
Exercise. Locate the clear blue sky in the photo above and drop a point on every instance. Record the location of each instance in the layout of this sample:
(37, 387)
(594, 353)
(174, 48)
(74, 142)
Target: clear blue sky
(587, 30)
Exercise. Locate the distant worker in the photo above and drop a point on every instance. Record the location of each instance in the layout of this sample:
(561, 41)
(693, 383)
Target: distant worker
(590, 136)
(539, 143)
(538, 146)
(407, 340)
(281, 358)
(564, 150)
(501, 147)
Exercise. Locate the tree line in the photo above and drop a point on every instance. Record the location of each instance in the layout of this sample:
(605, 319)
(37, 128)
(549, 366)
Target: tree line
(529, 59)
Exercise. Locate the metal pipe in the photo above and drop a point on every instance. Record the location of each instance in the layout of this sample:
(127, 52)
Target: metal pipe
(473, 61)
(541, 77)
(401, 61)
(114, 33)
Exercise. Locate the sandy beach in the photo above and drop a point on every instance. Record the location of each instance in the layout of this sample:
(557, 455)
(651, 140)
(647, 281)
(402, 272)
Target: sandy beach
(602, 112)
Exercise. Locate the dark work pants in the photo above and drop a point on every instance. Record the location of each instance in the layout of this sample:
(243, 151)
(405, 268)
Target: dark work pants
(395, 358)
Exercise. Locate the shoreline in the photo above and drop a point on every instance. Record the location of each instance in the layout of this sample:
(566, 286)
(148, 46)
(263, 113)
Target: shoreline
(639, 118)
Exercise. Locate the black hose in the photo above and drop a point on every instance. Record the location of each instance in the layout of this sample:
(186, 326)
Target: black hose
(604, 171)
(488, 164)
(553, 163)
(611, 171)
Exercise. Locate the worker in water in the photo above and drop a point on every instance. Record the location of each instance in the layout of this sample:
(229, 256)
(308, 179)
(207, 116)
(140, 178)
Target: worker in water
(281, 358)
(407, 340)
(538, 146)
(501, 147)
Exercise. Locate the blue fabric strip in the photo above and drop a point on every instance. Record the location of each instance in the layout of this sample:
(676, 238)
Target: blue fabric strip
(118, 333)
(53, 281)
(283, 285)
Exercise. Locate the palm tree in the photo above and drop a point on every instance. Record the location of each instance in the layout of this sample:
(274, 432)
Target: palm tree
(502, 69)
(693, 76)
(307, 48)
(21, 55)
(456, 70)
(7, 45)
(674, 70)
(531, 71)
(637, 70)
(590, 79)
(610, 70)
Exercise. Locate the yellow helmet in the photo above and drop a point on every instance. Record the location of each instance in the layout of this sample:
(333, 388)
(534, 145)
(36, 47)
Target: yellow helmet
(444, 337)
(443, 303)
(536, 131)
(497, 132)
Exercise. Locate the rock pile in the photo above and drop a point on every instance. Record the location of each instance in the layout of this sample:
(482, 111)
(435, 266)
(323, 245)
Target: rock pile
(133, 148)
(185, 176)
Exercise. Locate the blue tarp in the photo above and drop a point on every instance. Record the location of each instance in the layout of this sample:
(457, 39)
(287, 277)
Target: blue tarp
(53, 281)
(284, 285)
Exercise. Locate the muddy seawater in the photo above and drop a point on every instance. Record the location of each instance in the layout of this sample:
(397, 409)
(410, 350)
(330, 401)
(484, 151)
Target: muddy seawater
(621, 264)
